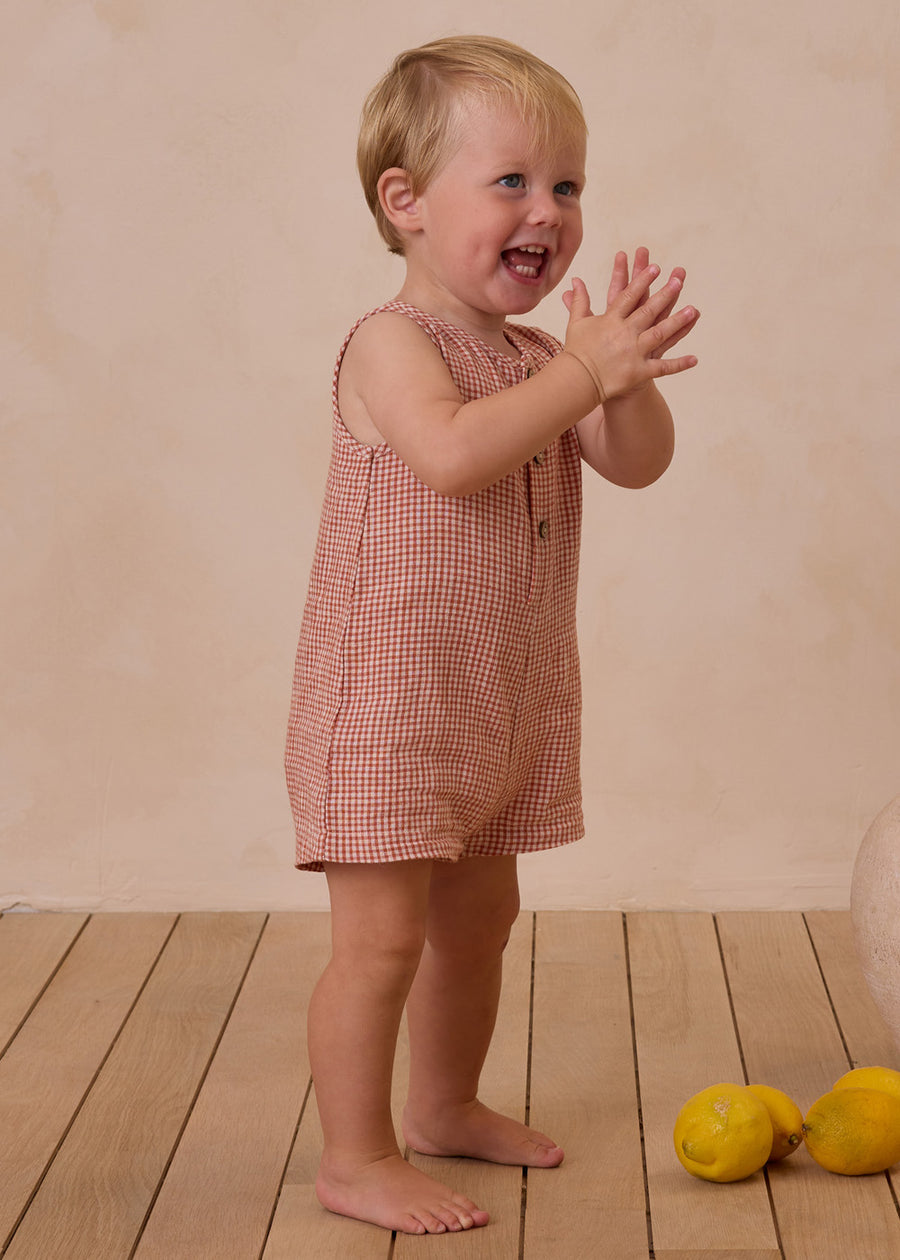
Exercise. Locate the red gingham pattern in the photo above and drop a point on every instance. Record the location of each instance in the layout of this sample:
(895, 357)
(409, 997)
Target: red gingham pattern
(436, 706)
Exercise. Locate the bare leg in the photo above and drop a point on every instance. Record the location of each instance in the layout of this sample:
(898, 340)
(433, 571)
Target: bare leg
(452, 1009)
(378, 925)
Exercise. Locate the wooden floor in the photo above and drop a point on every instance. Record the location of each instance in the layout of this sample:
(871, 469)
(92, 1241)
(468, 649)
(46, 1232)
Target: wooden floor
(156, 1101)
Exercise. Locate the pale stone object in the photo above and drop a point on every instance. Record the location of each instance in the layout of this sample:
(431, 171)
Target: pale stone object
(875, 911)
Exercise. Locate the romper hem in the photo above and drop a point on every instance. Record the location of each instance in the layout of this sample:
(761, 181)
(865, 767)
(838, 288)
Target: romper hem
(537, 842)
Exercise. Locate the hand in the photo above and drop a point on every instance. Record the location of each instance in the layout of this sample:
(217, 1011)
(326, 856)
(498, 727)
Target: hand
(623, 349)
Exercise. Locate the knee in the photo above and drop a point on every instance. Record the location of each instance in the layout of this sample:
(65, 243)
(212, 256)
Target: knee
(505, 915)
(509, 912)
(486, 934)
(388, 957)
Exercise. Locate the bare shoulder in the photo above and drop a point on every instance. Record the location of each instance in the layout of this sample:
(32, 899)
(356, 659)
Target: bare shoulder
(388, 338)
(390, 370)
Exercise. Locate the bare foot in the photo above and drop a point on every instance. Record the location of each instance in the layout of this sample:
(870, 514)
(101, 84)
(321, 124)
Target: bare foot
(473, 1130)
(391, 1193)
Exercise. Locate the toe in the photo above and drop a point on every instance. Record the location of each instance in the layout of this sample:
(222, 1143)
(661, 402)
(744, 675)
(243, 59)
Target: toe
(468, 1212)
(460, 1218)
(452, 1216)
(433, 1224)
(464, 1213)
(545, 1151)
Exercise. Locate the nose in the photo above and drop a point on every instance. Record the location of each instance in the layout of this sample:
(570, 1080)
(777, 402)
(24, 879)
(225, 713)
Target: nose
(544, 210)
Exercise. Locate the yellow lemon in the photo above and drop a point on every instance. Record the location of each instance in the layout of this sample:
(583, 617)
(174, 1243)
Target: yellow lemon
(786, 1117)
(885, 1079)
(723, 1133)
(854, 1131)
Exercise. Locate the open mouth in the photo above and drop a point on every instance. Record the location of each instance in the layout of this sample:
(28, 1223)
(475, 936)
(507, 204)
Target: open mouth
(526, 261)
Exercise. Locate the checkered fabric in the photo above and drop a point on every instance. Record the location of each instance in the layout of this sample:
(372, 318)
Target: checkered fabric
(436, 704)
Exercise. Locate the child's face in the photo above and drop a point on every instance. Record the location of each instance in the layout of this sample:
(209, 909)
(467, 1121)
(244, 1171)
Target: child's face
(499, 225)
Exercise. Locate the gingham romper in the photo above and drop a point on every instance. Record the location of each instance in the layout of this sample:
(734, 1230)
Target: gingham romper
(436, 705)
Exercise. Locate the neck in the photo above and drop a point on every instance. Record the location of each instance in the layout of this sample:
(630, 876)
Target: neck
(435, 300)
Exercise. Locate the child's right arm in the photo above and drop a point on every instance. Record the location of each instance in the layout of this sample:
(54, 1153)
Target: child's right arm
(395, 387)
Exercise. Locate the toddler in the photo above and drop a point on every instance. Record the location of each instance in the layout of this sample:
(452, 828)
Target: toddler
(434, 730)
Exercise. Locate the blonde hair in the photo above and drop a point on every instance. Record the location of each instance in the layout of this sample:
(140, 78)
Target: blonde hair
(411, 117)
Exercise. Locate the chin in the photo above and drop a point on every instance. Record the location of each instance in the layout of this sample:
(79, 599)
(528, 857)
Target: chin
(526, 304)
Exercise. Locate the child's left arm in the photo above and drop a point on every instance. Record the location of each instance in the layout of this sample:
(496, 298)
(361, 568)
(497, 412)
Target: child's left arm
(630, 440)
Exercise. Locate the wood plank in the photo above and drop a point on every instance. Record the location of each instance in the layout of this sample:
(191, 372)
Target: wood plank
(583, 1092)
(93, 1201)
(99, 1198)
(866, 1035)
(31, 948)
(790, 1040)
(50, 1065)
(719, 1255)
(865, 1032)
(504, 1086)
(218, 1194)
(302, 1228)
(685, 1042)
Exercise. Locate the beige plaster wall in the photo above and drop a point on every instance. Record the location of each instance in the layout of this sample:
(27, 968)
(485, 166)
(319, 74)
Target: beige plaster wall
(183, 245)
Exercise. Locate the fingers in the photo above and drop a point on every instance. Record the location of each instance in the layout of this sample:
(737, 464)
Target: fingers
(636, 292)
(636, 297)
(691, 315)
(678, 275)
(577, 301)
(666, 334)
(619, 278)
(653, 308)
(669, 367)
(641, 263)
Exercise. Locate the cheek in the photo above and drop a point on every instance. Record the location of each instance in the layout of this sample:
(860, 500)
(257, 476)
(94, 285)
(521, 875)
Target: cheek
(569, 244)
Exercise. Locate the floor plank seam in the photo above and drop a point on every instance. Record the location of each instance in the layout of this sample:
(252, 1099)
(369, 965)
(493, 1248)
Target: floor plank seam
(828, 992)
(287, 1163)
(734, 1021)
(524, 1195)
(844, 1043)
(740, 1046)
(637, 1087)
(67, 1128)
(775, 1224)
(890, 1181)
(45, 987)
(189, 1110)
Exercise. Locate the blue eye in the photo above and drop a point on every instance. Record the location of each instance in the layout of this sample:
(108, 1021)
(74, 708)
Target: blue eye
(565, 189)
(512, 181)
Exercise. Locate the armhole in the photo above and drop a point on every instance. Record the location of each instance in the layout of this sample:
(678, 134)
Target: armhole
(340, 427)
(391, 308)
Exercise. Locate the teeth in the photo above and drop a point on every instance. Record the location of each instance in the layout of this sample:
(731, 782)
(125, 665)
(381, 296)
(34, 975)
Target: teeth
(523, 269)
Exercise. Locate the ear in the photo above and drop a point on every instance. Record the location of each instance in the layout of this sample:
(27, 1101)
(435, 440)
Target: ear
(398, 201)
